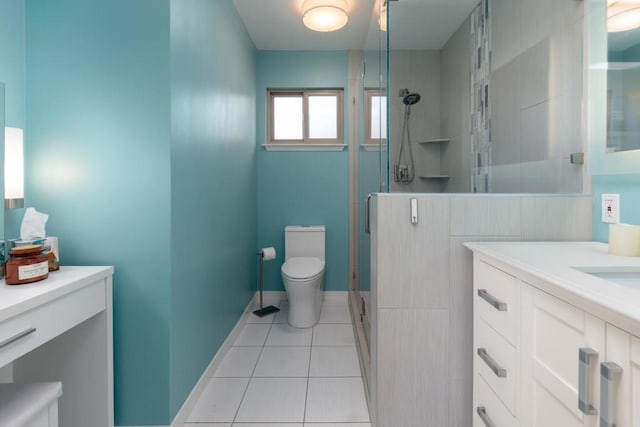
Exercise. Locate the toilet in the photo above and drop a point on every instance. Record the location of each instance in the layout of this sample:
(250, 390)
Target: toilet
(303, 273)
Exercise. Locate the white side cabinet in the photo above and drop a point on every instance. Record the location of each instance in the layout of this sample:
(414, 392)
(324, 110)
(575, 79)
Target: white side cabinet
(540, 361)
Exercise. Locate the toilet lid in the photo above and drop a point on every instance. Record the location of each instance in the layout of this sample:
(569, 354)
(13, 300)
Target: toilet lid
(302, 268)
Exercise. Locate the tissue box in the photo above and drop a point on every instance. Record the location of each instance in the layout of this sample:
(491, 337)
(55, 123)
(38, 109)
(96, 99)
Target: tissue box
(49, 248)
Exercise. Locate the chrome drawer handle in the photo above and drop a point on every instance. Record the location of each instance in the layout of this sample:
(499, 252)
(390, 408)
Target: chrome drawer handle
(584, 388)
(609, 374)
(498, 305)
(497, 369)
(482, 412)
(16, 337)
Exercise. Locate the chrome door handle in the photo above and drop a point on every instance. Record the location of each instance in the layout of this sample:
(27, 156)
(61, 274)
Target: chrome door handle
(609, 374)
(492, 364)
(498, 305)
(586, 355)
(482, 412)
(16, 337)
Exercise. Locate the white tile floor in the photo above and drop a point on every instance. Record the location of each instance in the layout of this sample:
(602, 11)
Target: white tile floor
(279, 376)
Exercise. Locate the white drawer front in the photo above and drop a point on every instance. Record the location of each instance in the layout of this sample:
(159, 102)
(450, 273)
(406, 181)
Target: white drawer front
(497, 364)
(496, 301)
(487, 402)
(39, 325)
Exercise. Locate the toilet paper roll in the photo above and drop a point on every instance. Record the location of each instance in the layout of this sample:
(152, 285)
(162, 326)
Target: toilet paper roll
(624, 239)
(268, 253)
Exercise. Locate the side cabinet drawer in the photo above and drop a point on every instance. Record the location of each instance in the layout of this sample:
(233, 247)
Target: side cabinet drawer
(496, 299)
(488, 411)
(23, 333)
(496, 362)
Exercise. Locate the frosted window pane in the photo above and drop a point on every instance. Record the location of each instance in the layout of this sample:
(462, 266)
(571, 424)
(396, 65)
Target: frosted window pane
(378, 117)
(323, 116)
(287, 118)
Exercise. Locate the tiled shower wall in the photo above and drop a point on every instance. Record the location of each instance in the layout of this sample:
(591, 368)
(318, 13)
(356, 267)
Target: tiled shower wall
(421, 336)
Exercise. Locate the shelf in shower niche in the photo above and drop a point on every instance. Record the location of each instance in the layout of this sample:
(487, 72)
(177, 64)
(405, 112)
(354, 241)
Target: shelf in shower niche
(435, 141)
(434, 177)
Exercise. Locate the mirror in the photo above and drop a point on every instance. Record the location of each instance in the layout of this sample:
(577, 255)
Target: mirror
(2, 178)
(614, 90)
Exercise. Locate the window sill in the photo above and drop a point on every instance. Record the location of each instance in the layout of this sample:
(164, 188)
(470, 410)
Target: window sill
(374, 147)
(304, 147)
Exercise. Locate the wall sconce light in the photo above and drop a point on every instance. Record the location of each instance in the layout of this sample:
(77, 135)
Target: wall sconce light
(382, 19)
(623, 15)
(13, 168)
(325, 15)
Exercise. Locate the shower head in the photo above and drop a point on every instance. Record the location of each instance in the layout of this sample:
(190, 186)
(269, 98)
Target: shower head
(411, 99)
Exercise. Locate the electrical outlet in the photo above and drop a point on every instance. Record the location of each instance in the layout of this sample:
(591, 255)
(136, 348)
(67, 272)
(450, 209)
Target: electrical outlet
(611, 208)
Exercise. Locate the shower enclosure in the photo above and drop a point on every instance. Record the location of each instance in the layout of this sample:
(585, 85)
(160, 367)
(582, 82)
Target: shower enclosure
(468, 103)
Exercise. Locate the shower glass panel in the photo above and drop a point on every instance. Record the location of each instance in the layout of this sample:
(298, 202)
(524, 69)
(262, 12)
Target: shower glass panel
(372, 155)
(501, 96)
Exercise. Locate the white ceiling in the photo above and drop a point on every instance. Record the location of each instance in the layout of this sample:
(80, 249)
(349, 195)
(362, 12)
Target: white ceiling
(414, 24)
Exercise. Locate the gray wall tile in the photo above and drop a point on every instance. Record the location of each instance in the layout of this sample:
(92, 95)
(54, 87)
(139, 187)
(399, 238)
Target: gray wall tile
(485, 216)
(414, 259)
(557, 218)
(413, 387)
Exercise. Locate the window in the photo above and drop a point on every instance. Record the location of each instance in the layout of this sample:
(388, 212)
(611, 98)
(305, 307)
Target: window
(305, 117)
(376, 115)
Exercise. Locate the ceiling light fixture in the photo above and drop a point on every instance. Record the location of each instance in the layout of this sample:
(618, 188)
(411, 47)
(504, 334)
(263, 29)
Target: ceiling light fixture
(382, 19)
(325, 15)
(623, 15)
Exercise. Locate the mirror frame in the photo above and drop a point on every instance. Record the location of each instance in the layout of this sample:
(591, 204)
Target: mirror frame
(601, 162)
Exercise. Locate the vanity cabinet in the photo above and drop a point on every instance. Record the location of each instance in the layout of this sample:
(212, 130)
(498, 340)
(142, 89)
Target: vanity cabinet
(541, 361)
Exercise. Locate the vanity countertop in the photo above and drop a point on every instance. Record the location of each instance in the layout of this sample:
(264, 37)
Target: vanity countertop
(16, 299)
(555, 267)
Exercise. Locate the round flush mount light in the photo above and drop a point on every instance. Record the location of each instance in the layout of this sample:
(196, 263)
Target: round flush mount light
(623, 15)
(382, 19)
(324, 15)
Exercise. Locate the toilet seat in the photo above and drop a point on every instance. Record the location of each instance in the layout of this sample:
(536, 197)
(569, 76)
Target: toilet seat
(302, 268)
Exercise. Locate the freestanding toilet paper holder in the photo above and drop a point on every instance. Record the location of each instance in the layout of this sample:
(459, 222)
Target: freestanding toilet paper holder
(263, 311)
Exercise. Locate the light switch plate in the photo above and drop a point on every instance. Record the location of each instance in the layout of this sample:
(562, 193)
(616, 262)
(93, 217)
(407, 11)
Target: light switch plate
(611, 208)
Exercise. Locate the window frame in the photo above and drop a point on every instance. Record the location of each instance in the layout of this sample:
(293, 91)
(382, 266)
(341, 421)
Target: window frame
(305, 94)
(369, 93)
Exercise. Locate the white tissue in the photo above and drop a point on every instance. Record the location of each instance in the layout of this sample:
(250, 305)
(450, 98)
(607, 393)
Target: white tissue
(268, 254)
(33, 224)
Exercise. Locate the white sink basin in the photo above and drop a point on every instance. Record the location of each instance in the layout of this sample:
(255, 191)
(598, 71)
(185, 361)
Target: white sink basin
(627, 277)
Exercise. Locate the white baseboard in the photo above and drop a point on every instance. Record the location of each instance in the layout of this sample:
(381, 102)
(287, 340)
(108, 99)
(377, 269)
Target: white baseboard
(189, 404)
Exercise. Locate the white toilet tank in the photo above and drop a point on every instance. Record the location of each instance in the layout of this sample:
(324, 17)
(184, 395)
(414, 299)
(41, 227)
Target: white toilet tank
(304, 241)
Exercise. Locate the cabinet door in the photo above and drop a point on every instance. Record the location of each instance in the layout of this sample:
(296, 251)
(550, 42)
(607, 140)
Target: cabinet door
(623, 351)
(553, 333)
(635, 382)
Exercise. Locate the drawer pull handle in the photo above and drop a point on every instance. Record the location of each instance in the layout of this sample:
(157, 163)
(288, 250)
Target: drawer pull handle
(609, 374)
(497, 369)
(498, 305)
(482, 412)
(16, 337)
(586, 355)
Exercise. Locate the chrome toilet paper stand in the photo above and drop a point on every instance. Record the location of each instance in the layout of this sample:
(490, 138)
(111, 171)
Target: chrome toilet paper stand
(263, 311)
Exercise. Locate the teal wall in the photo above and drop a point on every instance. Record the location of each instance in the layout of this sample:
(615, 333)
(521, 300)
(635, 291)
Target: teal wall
(97, 161)
(12, 60)
(141, 147)
(213, 185)
(306, 188)
(628, 186)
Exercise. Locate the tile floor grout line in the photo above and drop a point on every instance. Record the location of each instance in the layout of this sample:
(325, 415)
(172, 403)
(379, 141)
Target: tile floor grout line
(252, 372)
(306, 396)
